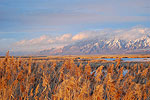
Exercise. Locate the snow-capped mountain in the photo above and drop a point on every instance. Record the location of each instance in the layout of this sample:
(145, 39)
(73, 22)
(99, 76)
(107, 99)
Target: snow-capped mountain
(105, 46)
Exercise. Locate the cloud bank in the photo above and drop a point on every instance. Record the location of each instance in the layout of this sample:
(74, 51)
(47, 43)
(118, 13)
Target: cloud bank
(47, 42)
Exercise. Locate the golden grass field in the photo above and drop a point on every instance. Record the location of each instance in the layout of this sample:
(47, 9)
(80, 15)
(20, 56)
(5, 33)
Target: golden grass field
(69, 78)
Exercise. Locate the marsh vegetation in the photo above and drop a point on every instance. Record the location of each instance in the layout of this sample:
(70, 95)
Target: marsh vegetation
(73, 78)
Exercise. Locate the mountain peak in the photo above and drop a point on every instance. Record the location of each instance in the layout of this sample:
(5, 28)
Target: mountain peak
(109, 46)
(104, 42)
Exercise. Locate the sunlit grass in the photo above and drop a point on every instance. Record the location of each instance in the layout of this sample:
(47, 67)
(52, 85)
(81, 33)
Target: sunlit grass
(70, 78)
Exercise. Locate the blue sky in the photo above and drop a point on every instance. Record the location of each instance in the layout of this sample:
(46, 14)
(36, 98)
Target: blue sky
(31, 19)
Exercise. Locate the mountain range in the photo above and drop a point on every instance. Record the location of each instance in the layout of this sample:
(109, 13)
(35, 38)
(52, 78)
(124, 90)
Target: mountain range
(98, 45)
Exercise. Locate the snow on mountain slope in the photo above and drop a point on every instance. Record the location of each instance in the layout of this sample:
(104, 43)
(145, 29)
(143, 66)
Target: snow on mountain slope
(105, 46)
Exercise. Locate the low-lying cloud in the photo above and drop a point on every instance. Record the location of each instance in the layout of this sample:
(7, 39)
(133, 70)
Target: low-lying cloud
(47, 42)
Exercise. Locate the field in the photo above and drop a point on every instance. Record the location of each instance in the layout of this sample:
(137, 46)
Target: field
(74, 78)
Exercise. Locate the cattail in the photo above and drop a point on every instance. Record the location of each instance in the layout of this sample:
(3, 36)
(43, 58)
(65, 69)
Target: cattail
(61, 78)
(22, 88)
(99, 93)
(144, 72)
(88, 69)
(138, 91)
(77, 71)
(112, 69)
(111, 90)
(118, 63)
(121, 73)
(45, 81)
(31, 93)
(37, 89)
(99, 73)
(7, 54)
(20, 76)
(29, 67)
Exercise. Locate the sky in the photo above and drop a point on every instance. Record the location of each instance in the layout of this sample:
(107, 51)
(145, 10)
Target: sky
(34, 25)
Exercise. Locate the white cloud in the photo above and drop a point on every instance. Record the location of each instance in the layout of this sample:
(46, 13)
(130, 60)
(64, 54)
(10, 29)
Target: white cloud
(125, 34)
(133, 33)
(35, 41)
(64, 37)
(43, 42)
(80, 36)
